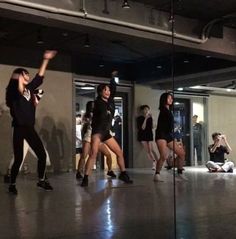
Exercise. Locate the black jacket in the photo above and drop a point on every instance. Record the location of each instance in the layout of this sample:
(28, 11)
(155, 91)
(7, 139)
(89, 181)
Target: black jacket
(22, 107)
(103, 111)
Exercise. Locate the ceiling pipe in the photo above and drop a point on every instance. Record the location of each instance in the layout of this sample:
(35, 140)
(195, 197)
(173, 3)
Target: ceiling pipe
(85, 14)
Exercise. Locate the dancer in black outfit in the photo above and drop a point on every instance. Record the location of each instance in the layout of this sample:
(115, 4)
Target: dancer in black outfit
(21, 101)
(145, 134)
(103, 112)
(86, 144)
(165, 139)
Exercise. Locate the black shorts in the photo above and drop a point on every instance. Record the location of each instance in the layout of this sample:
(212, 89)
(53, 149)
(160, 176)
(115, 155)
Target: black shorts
(161, 135)
(104, 135)
(78, 150)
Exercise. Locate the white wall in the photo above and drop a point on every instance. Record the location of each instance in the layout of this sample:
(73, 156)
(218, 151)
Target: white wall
(222, 118)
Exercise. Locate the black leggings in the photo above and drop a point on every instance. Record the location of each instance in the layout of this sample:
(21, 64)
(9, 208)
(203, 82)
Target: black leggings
(31, 136)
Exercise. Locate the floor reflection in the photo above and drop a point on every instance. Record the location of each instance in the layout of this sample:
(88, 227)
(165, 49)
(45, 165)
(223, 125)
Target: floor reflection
(205, 206)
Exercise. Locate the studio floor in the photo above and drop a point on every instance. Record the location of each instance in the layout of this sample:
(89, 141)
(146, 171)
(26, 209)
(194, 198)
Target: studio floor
(205, 207)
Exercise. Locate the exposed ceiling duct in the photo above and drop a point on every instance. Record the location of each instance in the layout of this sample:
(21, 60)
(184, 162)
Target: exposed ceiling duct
(84, 14)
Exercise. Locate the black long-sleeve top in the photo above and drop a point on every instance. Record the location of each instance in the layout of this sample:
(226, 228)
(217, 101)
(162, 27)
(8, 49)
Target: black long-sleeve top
(144, 134)
(22, 107)
(165, 121)
(103, 111)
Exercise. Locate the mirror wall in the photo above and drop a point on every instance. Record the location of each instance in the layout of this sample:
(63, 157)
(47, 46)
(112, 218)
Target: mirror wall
(204, 95)
(184, 47)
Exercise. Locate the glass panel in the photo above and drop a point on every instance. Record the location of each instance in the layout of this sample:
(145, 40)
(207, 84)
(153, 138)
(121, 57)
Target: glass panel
(204, 112)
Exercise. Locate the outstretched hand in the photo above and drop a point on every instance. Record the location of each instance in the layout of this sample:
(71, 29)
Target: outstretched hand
(49, 54)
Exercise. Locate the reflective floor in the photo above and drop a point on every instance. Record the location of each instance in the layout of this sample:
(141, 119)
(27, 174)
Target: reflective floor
(206, 207)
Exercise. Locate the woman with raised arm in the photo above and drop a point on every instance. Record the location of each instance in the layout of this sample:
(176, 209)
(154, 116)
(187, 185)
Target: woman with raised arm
(86, 144)
(103, 112)
(21, 101)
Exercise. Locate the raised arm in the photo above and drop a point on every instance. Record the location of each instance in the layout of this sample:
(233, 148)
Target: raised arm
(145, 121)
(113, 84)
(213, 148)
(226, 143)
(48, 55)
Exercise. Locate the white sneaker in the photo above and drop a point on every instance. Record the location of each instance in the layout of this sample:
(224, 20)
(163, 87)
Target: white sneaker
(157, 178)
(154, 165)
(181, 177)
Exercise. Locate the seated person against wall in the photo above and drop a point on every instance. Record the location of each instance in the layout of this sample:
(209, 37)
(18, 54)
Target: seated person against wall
(217, 152)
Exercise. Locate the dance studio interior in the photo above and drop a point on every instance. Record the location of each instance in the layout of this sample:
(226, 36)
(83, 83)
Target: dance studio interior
(184, 47)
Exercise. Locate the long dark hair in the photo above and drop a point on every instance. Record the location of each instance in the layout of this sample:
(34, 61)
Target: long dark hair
(163, 100)
(87, 117)
(89, 109)
(12, 87)
(100, 88)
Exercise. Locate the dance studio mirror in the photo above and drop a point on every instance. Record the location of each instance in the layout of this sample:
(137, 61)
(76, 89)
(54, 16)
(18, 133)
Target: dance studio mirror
(204, 71)
(176, 63)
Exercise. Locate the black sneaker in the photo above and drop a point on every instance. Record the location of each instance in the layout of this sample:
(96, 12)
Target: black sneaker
(111, 174)
(230, 170)
(7, 178)
(12, 189)
(168, 167)
(84, 182)
(79, 176)
(125, 178)
(45, 185)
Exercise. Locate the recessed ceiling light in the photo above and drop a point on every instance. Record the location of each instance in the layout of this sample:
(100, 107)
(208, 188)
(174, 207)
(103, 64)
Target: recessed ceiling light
(87, 87)
(195, 87)
(125, 4)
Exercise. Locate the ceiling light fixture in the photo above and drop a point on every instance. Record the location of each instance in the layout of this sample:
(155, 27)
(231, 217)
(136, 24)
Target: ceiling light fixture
(87, 87)
(125, 4)
(211, 88)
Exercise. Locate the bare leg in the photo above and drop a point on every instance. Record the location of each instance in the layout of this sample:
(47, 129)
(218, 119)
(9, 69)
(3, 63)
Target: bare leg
(85, 152)
(103, 149)
(164, 152)
(95, 142)
(114, 147)
(179, 151)
(149, 150)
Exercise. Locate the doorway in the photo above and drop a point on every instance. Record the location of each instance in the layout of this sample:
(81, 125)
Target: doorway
(86, 91)
(182, 124)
